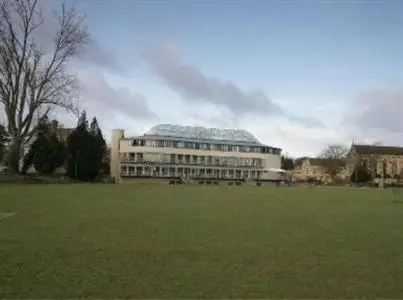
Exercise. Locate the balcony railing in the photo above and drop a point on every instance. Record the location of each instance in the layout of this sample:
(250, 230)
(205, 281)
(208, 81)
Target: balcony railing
(184, 163)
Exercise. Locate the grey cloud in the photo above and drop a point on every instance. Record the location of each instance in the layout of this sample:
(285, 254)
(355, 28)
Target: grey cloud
(220, 121)
(375, 115)
(306, 121)
(377, 110)
(92, 53)
(196, 87)
(99, 95)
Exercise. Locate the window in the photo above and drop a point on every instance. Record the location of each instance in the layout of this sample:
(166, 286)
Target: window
(131, 170)
(151, 143)
(172, 160)
(147, 171)
(189, 145)
(384, 168)
(123, 170)
(139, 157)
(394, 167)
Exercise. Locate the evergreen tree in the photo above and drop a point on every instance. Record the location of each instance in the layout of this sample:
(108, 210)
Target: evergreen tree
(86, 148)
(46, 153)
(287, 163)
(99, 146)
(360, 175)
(75, 148)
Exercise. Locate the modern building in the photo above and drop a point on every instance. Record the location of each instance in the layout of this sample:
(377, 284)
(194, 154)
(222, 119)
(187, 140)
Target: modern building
(173, 151)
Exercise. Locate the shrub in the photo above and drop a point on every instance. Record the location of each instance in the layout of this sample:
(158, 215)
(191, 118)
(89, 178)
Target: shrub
(360, 175)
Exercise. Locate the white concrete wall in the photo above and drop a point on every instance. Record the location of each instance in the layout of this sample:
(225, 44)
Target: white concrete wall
(269, 160)
(117, 136)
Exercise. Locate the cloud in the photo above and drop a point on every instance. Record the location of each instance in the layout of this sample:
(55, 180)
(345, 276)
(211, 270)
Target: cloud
(377, 110)
(198, 88)
(93, 53)
(298, 140)
(195, 86)
(100, 95)
(114, 107)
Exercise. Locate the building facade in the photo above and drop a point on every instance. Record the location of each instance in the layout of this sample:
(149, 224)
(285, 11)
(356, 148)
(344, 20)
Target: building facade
(381, 161)
(316, 168)
(172, 151)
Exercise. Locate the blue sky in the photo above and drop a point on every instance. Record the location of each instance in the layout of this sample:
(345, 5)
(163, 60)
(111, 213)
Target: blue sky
(325, 71)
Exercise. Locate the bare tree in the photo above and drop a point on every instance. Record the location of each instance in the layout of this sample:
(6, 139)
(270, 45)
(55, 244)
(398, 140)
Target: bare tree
(334, 159)
(34, 79)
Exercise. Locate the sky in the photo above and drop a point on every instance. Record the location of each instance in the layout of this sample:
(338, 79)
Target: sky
(299, 75)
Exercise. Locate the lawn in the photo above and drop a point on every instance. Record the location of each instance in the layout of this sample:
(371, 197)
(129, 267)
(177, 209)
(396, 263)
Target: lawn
(159, 241)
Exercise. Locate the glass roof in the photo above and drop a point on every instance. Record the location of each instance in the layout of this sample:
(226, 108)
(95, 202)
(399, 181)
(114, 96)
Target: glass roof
(194, 132)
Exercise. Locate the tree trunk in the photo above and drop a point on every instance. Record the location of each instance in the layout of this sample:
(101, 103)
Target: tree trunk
(15, 153)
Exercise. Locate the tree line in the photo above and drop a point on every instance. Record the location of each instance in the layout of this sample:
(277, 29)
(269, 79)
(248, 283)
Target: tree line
(82, 156)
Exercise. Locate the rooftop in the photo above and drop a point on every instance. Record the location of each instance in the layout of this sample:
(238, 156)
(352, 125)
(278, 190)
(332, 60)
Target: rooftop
(376, 149)
(202, 133)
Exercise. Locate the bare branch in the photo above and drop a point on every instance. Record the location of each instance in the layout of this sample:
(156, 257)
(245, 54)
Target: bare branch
(334, 158)
(31, 77)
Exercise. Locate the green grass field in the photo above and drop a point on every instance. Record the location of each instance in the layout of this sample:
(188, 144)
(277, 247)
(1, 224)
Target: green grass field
(159, 241)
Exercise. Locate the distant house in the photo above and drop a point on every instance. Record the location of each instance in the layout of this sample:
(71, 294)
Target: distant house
(381, 161)
(316, 168)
